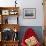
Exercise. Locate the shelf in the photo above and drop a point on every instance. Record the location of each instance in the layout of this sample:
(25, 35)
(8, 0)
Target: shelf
(11, 41)
(10, 26)
(9, 20)
(6, 12)
(9, 10)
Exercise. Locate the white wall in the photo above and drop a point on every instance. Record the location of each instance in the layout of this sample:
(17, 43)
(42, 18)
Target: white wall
(39, 13)
(27, 4)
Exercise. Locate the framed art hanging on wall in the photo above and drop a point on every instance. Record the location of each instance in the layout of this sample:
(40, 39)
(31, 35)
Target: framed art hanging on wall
(29, 13)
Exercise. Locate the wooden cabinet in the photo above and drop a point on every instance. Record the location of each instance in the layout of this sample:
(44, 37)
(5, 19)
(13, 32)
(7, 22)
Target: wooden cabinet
(9, 23)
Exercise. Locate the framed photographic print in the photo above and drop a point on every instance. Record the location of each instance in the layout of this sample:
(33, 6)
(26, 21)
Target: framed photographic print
(5, 12)
(29, 13)
(13, 12)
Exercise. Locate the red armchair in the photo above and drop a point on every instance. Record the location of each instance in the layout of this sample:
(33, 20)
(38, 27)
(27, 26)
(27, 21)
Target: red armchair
(30, 34)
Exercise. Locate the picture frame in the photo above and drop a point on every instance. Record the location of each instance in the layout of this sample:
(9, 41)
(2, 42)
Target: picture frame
(13, 12)
(29, 13)
(5, 12)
